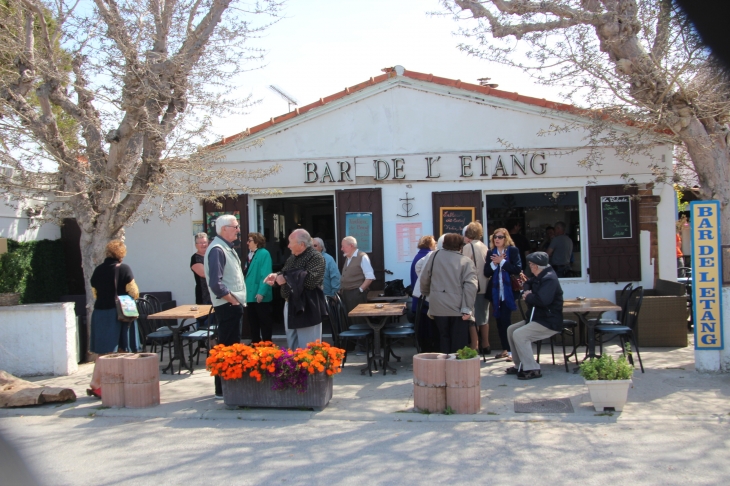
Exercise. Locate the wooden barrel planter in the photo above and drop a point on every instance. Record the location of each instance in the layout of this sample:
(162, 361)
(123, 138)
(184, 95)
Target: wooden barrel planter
(141, 380)
(111, 368)
(463, 385)
(429, 382)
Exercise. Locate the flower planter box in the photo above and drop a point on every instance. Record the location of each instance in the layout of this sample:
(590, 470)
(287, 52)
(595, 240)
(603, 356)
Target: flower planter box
(247, 392)
(608, 393)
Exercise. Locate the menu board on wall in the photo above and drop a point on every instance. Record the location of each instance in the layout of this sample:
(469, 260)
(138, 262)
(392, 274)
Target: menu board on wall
(453, 219)
(360, 227)
(616, 217)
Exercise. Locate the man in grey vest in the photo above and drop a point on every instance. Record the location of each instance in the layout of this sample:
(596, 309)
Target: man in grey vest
(357, 275)
(226, 284)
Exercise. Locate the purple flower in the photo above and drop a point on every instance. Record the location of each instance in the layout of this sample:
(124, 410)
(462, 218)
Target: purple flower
(288, 374)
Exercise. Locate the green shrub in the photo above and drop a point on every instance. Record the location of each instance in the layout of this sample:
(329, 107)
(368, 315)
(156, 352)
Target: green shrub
(607, 368)
(466, 353)
(35, 269)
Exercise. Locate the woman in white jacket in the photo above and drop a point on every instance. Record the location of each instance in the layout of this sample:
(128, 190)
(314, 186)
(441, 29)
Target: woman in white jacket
(449, 280)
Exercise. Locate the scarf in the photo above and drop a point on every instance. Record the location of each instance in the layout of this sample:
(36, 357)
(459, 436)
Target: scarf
(502, 278)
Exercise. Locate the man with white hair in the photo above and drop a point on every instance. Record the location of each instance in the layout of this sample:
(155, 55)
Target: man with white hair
(544, 298)
(331, 283)
(301, 287)
(357, 275)
(226, 284)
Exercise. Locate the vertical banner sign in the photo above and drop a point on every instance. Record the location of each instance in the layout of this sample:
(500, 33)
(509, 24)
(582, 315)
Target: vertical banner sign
(360, 226)
(707, 274)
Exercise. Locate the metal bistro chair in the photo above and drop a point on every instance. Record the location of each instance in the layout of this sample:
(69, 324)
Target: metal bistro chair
(570, 328)
(622, 301)
(201, 337)
(629, 328)
(392, 333)
(341, 335)
(150, 334)
(154, 301)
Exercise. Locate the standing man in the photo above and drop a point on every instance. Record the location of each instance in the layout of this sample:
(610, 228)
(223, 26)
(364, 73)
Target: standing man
(197, 265)
(301, 286)
(226, 284)
(357, 275)
(331, 273)
(560, 250)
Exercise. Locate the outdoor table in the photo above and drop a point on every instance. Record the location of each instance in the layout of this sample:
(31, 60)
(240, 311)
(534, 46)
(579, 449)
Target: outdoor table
(376, 315)
(184, 312)
(581, 308)
(378, 297)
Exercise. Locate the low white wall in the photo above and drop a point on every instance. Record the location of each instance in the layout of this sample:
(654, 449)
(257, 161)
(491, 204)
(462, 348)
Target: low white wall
(38, 339)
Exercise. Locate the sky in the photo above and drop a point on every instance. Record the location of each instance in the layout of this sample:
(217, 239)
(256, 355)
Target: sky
(322, 46)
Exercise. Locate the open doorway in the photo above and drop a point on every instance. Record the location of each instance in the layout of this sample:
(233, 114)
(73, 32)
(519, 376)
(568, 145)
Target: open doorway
(276, 218)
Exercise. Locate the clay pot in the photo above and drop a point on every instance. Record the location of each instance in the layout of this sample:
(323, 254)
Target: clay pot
(463, 385)
(141, 380)
(111, 369)
(429, 382)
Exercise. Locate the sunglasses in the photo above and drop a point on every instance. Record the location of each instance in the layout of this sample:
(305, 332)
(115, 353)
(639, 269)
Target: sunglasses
(498, 237)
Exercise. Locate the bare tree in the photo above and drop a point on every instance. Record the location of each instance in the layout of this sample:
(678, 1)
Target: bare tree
(635, 61)
(105, 103)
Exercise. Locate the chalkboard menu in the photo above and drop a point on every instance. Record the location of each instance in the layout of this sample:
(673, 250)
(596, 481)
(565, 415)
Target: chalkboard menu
(453, 219)
(616, 217)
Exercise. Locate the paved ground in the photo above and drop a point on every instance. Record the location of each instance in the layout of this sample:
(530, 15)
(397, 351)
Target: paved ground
(674, 430)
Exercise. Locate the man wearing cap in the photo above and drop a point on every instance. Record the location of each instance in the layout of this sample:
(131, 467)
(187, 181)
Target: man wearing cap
(544, 298)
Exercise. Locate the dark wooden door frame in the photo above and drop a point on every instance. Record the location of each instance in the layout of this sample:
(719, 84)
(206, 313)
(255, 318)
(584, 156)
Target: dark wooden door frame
(465, 199)
(369, 200)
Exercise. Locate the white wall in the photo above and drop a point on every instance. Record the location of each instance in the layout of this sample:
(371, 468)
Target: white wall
(15, 224)
(38, 339)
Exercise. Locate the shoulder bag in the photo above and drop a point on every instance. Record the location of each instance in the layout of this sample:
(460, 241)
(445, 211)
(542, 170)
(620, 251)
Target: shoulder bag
(476, 267)
(126, 307)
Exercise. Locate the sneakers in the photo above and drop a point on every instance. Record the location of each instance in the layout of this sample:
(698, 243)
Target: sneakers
(529, 375)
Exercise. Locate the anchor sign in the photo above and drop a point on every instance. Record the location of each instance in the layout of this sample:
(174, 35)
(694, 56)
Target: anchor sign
(407, 207)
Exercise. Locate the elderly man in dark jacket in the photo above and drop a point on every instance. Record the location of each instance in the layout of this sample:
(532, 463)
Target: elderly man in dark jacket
(544, 298)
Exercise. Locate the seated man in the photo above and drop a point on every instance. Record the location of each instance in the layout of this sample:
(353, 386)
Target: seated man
(544, 298)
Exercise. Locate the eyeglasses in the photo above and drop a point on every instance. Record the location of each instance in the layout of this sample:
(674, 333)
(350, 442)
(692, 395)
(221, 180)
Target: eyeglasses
(498, 237)
(231, 226)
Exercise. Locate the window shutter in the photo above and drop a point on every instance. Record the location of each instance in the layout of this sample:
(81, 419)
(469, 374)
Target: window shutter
(612, 260)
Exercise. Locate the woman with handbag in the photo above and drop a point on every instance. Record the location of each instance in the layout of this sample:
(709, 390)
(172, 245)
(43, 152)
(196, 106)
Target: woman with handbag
(477, 251)
(109, 334)
(449, 279)
(502, 264)
(258, 294)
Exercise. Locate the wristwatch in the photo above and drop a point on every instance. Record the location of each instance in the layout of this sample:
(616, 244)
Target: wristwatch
(360, 289)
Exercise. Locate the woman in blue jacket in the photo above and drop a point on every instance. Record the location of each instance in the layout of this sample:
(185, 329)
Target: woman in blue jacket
(505, 261)
(258, 294)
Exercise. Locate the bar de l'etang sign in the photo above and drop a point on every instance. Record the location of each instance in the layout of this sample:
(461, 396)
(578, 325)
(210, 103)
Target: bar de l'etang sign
(433, 167)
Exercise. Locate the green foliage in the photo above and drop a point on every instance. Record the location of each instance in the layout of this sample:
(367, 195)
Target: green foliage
(607, 368)
(466, 353)
(36, 269)
(449, 411)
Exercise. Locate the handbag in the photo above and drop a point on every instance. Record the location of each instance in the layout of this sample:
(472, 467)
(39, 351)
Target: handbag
(517, 282)
(474, 257)
(394, 288)
(126, 307)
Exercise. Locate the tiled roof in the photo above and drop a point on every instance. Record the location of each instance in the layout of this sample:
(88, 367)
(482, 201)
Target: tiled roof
(391, 73)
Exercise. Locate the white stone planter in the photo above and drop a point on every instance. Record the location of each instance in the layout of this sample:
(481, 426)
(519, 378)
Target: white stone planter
(608, 393)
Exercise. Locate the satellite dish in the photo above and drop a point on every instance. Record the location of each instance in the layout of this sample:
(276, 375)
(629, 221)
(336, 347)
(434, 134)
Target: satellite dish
(289, 99)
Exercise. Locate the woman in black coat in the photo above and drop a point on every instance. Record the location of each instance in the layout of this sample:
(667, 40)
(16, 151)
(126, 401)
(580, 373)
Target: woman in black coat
(505, 262)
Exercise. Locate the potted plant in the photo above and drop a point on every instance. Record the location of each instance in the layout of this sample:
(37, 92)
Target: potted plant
(264, 375)
(463, 380)
(608, 381)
